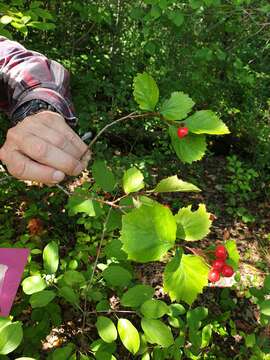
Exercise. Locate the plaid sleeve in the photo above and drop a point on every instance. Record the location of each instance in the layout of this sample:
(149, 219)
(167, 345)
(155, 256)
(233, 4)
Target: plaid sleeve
(27, 75)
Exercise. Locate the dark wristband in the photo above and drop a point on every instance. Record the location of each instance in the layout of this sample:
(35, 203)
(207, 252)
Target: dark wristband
(30, 108)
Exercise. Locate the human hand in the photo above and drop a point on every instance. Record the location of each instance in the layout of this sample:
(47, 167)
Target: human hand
(44, 148)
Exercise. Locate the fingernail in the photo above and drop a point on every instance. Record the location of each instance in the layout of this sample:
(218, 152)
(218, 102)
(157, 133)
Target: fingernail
(58, 176)
(79, 168)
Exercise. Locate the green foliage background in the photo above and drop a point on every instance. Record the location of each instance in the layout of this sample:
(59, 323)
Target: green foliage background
(217, 51)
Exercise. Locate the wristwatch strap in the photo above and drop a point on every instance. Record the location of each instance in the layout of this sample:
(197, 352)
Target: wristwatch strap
(30, 108)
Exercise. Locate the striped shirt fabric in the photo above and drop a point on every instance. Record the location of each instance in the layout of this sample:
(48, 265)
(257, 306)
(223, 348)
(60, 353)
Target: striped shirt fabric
(28, 75)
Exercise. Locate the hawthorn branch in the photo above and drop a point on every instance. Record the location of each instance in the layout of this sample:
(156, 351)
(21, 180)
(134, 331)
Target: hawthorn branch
(130, 116)
(102, 201)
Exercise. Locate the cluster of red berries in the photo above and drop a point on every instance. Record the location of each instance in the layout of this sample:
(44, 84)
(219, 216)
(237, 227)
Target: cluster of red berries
(182, 132)
(219, 266)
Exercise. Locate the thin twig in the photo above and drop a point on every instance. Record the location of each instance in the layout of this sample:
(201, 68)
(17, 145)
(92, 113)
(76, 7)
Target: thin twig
(95, 264)
(132, 115)
(106, 202)
(63, 189)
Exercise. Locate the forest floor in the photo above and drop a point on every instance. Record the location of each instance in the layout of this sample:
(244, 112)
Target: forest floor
(253, 243)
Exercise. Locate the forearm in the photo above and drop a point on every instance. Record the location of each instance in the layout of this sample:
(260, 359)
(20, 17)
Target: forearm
(26, 75)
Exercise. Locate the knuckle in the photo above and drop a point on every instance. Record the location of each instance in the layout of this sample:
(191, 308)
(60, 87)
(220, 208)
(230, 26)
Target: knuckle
(39, 149)
(71, 137)
(60, 141)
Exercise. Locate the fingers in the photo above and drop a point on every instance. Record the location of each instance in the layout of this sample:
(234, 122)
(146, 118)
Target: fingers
(57, 139)
(21, 167)
(48, 144)
(61, 127)
(45, 153)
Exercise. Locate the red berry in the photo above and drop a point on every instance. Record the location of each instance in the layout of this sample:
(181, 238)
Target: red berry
(218, 264)
(182, 132)
(221, 252)
(213, 276)
(227, 271)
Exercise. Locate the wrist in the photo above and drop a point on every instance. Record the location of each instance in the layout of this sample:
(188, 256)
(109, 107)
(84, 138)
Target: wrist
(30, 108)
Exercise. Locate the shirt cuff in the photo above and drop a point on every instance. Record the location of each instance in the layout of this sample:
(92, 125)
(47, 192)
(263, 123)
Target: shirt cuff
(53, 98)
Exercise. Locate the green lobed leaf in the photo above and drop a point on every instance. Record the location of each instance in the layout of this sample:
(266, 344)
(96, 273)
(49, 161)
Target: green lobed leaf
(103, 176)
(79, 204)
(33, 284)
(206, 122)
(190, 148)
(137, 295)
(173, 184)
(129, 335)
(41, 298)
(148, 232)
(233, 253)
(193, 225)
(11, 336)
(51, 257)
(185, 277)
(146, 92)
(154, 309)
(69, 295)
(116, 275)
(133, 180)
(106, 329)
(157, 332)
(177, 106)
(73, 277)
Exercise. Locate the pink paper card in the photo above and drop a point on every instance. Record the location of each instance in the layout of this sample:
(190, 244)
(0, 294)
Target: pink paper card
(12, 263)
